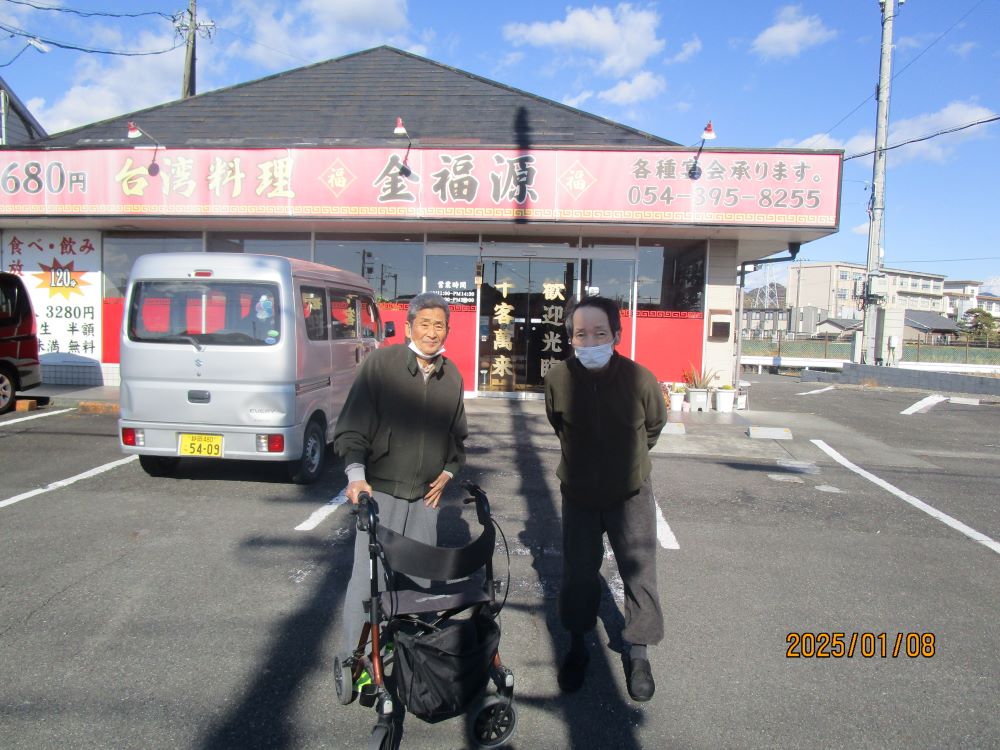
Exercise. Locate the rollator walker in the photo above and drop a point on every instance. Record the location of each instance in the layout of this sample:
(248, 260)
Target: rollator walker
(432, 649)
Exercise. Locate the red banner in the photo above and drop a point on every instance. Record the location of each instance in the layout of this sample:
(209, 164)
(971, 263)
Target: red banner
(767, 188)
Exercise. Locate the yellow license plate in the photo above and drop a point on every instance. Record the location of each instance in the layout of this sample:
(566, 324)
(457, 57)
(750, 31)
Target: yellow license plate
(206, 446)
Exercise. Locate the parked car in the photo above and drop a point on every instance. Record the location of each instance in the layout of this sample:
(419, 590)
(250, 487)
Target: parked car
(20, 369)
(240, 356)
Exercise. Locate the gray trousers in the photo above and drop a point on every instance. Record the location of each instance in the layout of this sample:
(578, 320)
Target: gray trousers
(631, 530)
(410, 518)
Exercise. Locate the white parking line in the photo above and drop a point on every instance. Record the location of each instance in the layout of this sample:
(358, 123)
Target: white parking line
(821, 390)
(66, 482)
(916, 503)
(664, 535)
(35, 416)
(322, 512)
(924, 404)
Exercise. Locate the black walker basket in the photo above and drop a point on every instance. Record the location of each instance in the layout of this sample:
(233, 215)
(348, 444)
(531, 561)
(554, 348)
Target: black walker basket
(444, 637)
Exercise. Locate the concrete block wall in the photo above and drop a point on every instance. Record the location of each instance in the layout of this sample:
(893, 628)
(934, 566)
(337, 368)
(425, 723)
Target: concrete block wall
(898, 377)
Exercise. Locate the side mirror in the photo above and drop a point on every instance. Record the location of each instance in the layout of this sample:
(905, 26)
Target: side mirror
(390, 329)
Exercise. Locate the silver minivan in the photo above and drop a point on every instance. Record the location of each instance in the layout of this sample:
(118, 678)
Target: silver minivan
(233, 356)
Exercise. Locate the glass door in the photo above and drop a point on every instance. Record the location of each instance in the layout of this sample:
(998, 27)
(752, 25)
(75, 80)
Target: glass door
(521, 331)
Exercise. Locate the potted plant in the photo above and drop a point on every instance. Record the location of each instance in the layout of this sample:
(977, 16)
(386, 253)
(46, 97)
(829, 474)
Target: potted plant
(677, 393)
(697, 387)
(724, 397)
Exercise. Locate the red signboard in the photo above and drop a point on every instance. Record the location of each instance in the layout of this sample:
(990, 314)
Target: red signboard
(765, 188)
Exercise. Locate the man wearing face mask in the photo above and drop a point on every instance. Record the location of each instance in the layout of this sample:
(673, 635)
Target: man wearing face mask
(608, 412)
(402, 435)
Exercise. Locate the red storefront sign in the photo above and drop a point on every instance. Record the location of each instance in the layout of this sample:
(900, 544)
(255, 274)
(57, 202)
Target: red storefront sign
(767, 188)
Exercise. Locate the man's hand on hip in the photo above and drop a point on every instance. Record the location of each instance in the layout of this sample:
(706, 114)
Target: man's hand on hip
(433, 496)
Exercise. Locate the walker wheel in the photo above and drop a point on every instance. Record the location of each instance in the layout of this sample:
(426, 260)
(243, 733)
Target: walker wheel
(494, 723)
(383, 736)
(344, 682)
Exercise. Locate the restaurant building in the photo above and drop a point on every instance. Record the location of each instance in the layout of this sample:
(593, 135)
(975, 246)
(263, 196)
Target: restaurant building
(420, 177)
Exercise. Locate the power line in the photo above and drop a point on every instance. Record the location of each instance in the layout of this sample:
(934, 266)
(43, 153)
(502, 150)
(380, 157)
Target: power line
(88, 14)
(955, 129)
(94, 50)
(900, 71)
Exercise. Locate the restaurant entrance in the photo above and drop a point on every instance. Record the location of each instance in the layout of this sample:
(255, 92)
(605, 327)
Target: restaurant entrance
(521, 331)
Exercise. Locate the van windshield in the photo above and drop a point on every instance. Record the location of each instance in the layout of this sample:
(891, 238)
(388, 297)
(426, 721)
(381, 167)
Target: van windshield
(199, 311)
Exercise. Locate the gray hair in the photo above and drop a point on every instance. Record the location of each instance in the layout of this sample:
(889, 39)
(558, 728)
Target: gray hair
(425, 301)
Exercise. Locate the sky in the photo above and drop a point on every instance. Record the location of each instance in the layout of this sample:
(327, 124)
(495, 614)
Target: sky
(767, 74)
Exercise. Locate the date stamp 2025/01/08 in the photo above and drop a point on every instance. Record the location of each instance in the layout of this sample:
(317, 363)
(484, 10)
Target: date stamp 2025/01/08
(837, 645)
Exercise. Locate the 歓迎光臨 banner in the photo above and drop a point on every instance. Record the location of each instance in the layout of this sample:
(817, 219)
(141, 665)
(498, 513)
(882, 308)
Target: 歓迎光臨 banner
(765, 188)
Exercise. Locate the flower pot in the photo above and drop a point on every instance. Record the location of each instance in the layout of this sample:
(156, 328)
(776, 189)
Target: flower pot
(698, 398)
(676, 401)
(724, 399)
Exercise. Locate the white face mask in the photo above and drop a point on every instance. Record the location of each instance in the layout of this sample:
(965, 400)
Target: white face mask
(421, 355)
(594, 357)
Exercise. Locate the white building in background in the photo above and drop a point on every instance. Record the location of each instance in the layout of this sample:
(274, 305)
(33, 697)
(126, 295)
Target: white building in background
(830, 285)
(961, 295)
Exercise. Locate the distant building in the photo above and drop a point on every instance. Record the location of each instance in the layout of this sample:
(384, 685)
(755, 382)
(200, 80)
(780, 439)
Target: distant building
(831, 285)
(989, 302)
(961, 295)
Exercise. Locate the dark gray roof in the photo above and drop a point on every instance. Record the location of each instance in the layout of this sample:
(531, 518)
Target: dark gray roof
(925, 320)
(22, 127)
(843, 323)
(354, 101)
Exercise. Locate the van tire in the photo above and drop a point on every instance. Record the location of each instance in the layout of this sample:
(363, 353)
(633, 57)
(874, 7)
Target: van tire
(309, 466)
(159, 466)
(8, 389)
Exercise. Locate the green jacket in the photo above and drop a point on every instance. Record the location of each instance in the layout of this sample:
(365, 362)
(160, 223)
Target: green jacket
(404, 431)
(606, 422)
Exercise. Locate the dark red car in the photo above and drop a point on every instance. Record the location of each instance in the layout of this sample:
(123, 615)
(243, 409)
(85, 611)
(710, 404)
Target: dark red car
(19, 365)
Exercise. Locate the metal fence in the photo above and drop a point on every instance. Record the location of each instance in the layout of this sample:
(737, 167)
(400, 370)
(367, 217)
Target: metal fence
(957, 352)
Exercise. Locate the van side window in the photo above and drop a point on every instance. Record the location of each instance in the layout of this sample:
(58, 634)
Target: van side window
(314, 310)
(8, 300)
(343, 320)
(370, 323)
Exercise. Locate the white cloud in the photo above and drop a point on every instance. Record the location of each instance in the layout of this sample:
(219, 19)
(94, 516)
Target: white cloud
(644, 85)
(963, 50)
(622, 38)
(270, 36)
(936, 149)
(576, 101)
(861, 229)
(791, 34)
(689, 49)
(991, 285)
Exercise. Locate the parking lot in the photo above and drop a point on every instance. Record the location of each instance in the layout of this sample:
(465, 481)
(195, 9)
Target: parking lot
(202, 611)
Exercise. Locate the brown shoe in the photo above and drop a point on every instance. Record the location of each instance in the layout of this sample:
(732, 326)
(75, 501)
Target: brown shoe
(640, 680)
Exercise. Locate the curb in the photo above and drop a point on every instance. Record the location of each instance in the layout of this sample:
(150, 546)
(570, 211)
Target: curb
(98, 407)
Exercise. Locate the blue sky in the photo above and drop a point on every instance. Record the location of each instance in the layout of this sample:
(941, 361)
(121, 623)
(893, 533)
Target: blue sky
(768, 74)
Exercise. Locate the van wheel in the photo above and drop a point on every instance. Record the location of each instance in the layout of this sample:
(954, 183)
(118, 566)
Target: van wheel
(159, 466)
(307, 469)
(7, 389)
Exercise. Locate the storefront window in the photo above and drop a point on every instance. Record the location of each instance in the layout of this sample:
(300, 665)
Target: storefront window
(393, 266)
(672, 277)
(120, 250)
(609, 277)
(453, 277)
(284, 244)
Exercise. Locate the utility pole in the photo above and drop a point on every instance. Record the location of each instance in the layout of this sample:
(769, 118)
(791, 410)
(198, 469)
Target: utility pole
(186, 23)
(874, 296)
(190, 58)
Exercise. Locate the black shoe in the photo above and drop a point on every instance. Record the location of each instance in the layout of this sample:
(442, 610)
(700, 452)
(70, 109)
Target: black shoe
(640, 680)
(573, 670)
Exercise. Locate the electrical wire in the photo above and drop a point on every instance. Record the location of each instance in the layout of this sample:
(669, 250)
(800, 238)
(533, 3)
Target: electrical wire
(900, 71)
(11, 61)
(927, 137)
(90, 14)
(93, 50)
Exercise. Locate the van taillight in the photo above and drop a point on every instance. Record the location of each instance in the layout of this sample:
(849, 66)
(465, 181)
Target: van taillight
(129, 436)
(270, 443)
